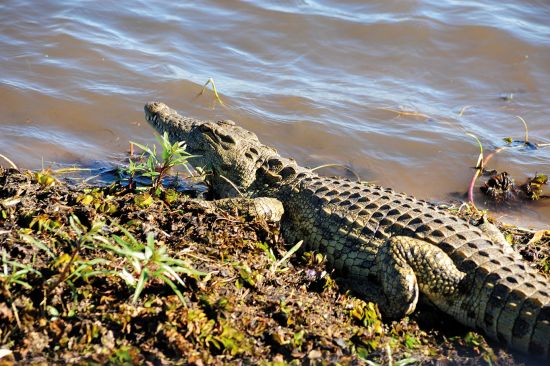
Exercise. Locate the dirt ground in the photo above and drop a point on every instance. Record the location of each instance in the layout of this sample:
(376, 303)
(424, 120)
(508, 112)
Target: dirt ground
(90, 275)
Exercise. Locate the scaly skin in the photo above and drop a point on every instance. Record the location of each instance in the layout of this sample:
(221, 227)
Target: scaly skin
(390, 247)
(264, 208)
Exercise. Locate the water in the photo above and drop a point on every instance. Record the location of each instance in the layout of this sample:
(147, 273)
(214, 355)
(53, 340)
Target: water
(321, 81)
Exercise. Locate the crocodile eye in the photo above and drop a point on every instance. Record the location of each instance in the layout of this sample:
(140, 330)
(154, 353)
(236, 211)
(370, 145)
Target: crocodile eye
(274, 164)
(226, 138)
(205, 127)
(216, 135)
(208, 131)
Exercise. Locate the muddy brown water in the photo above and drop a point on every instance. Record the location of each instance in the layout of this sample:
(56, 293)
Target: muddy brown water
(321, 81)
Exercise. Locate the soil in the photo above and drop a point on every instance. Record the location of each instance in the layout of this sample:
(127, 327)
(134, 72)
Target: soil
(72, 257)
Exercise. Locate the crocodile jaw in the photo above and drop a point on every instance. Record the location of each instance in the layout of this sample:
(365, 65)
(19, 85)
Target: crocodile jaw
(162, 118)
(229, 152)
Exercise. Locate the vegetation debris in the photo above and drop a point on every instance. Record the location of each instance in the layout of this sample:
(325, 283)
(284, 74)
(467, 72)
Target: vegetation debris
(501, 188)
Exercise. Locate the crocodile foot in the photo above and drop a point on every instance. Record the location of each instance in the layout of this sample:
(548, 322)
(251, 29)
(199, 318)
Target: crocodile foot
(262, 208)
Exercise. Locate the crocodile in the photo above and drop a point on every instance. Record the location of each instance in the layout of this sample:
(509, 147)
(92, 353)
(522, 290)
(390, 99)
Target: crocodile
(389, 247)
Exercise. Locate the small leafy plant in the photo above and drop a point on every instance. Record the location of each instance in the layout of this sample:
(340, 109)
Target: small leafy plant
(138, 264)
(150, 165)
(147, 262)
(15, 273)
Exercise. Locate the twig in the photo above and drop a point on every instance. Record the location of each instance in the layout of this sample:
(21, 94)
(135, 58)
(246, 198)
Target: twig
(9, 162)
(90, 178)
(16, 315)
(388, 352)
(232, 184)
(461, 113)
(63, 274)
(68, 170)
(490, 156)
(526, 129)
(479, 169)
(407, 113)
(211, 81)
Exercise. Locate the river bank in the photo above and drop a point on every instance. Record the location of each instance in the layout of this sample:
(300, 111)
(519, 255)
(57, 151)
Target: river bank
(107, 274)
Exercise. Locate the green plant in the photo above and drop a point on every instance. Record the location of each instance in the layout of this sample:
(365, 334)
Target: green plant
(150, 165)
(147, 262)
(267, 250)
(37, 243)
(275, 266)
(84, 237)
(15, 273)
(86, 269)
(132, 170)
(478, 343)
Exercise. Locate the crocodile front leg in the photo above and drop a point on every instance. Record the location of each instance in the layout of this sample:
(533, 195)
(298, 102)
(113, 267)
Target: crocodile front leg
(263, 208)
(406, 265)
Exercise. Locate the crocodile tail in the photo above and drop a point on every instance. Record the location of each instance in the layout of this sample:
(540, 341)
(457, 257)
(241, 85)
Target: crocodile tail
(512, 305)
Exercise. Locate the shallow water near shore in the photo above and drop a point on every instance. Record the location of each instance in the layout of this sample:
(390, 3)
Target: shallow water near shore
(323, 82)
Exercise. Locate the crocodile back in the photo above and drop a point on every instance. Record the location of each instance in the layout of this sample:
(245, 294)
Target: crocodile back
(348, 221)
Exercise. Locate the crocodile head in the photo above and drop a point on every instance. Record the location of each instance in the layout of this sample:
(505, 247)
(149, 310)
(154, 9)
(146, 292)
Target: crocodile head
(229, 152)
